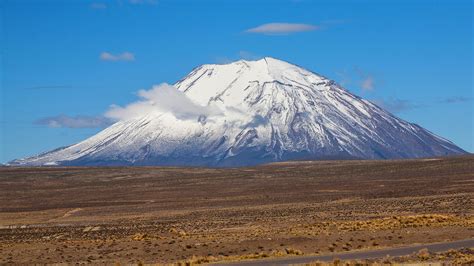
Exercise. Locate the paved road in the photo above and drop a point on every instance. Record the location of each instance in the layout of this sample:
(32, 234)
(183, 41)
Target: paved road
(392, 252)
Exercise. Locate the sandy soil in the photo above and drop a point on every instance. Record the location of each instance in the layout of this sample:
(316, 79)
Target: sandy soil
(166, 215)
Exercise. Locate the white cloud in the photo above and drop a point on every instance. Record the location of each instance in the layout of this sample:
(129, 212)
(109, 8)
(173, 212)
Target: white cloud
(98, 6)
(125, 56)
(282, 28)
(162, 98)
(74, 121)
(368, 83)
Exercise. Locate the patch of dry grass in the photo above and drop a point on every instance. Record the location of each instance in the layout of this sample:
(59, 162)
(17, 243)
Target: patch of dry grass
(390, 223)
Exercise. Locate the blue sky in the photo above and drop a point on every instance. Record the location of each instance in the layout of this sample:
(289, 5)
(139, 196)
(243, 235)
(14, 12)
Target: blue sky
(63, 63)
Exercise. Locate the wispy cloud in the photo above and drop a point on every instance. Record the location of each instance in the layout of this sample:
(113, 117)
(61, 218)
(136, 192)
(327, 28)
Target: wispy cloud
(125, 56)
(282, 28)
(98, 6)
(396, 105)
(74, 121)
(456, 99)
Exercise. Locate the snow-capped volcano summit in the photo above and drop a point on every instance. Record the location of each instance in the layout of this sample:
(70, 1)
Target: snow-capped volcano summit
(246, 113)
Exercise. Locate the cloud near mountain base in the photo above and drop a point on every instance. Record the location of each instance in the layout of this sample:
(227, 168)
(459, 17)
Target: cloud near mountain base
(162, 98)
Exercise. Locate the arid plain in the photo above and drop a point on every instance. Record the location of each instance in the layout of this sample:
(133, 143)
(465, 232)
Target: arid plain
(167, 215)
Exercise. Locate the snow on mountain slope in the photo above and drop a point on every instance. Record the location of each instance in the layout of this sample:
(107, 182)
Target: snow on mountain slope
(267, 110)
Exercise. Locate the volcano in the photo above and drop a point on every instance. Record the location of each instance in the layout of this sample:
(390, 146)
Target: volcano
(252, 112)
